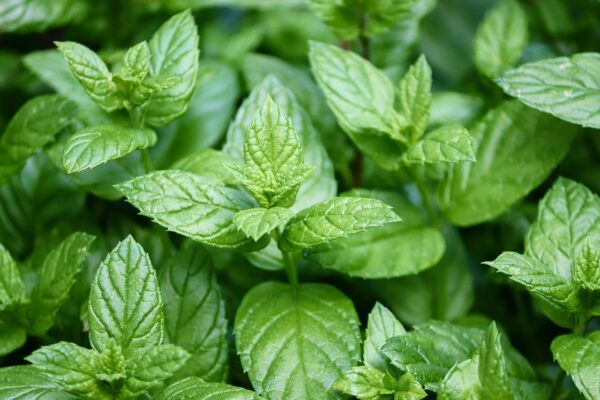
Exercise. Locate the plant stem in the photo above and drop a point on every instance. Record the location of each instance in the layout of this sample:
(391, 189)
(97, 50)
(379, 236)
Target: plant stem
(290, 268)
(365, 42)
(425, 198)
(147, 161)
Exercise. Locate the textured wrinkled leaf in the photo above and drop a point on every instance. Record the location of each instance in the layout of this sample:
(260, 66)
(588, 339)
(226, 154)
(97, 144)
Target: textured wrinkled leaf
(586, 272)
(191, 205)
(29, 383)
(449, 143)
(395, 249)
(273, 167)
(256, 222)
(294, 342)
(516, 149)
(72, 366)
(151, 368)
(500, 39)
(381, 326)
(565, 87)
(99, 144)
(125, 302)
(414, 97)
(362, 99)
(57, 276)
(93, 74)
(12, 335)
(196, 388)
(173, 52)
(32, 127)
(195, 313)
(580, 358)
(12, 290)
(136, 61)
(320, 185)
(38, 15)
(365, 382)
(333, 219)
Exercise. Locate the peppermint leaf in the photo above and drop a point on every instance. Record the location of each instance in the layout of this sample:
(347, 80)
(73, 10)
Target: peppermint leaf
(136, 62)
(449, 143)
(414, 97)
(580, 358)
(37, 15)
(12, 335)
(257, 222)
(99, 144)
(125, 303)
(586, 272)
(333, 219)
(365, 383)
(29, 383)
(191, 205)
(500, 39)
(294, 342)
(381, 326)
(12, 290)
(196, 388)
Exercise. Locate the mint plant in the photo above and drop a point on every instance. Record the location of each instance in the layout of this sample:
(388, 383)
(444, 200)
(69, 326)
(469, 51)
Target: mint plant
(299, 199)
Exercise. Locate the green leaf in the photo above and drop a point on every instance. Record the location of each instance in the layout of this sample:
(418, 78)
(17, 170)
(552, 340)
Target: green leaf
(32, 127)
(196, 388)
(39, 15)
(93, 74)
(320, 185)
(449, 143)
(294, 342)
(125, 303)
(516, 149)
(72, 366)
(151, 368)
(173, 52)
(12, 290)
(483, 376)
(414, 97)
(257, 222)
(12, 335)
(29, 383)
(110, 365)
(333, 219)
(381, 326)
(362, 99)
(57, 276)
(365, 382)
(195, 313)
(99, 144)
(191, 205)
(395, 249)
(580, 358)
(209, 163)
(586, 272)
(431, 349)
(273, 167)
(500, 39)
(136, 62)
(564, 87)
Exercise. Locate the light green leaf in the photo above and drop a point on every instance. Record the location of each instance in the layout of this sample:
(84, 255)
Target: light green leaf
(29, 383)
(173, 52)
(136, 62)
(149, 370)
(362, 99)
(407, 388)
(365, 382)
(516, 149)
(381, 326)
(72, 366)
(414, 97)
(209, 163)
(538, 278)
(57, 276)
(431, 349)
(39, 15)
(32, 127)
(191, 205)
(93, 74)
(12, 290)
(500, 39)
(195, 313)
(454, 108)
(580, 358)
(256, 222)
(481, 377)
(273, 166)
(196, 388)
(568, 217)
(586, 272)
(99, 144)
(567, 88)
(294, 342)
(110, 364)
(320, 185)
(333, 219)
(12, 335)
(125, 303)
(449, 143)
(395, 249)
